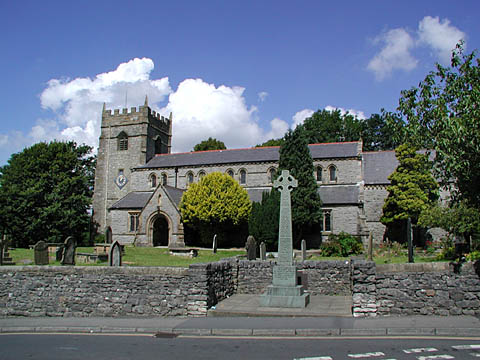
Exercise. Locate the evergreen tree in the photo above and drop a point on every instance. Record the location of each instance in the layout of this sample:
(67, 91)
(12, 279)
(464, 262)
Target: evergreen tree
(306, 204)
(45, 192)
(412, 190)
(263, 222)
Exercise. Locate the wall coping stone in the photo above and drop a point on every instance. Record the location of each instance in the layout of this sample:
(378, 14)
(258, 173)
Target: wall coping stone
(100, 270)
(413, 267)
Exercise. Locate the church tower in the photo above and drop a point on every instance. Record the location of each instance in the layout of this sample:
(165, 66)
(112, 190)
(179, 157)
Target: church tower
(127, 140)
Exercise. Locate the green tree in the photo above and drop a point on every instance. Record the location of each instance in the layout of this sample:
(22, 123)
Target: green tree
(306, 204)
(264, 218)
(210, 144)
(45, 192)
(331, 126)
(457, 219)
(271, 142)
(412, 190)
(215, 205)
(443, 114)
(378, 133)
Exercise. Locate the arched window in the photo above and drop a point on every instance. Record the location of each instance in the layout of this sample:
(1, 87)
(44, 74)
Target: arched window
(230, 173)
(122, 141)
(319, 174)
(271, 175)
(189, 178)
(243, 177)
(327, 220)
(333, 173)
(164, 179)
(201, 175)
(153, 180)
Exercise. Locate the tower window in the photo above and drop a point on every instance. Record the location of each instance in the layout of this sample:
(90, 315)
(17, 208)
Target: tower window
(122, 141)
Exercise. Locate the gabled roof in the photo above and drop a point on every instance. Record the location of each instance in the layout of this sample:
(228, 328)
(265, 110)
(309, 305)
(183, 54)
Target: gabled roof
(174, 194)
(260, 154)
(133, 200)
(377, 166)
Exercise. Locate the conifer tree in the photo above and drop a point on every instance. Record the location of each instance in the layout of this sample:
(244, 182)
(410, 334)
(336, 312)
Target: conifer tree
(263, 222)
(306, 204)
(412, 190)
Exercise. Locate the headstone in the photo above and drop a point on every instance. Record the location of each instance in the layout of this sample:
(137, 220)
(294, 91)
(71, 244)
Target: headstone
(41, 253)
(115, 254)
(285, 291)
(108, 235)
(214, 245)
(59, 252)
(4, 254)
(263, 251)
(69, 251)
(304, 250)
(410, 240)
(251, 247)
(2, 245)
(370, 247)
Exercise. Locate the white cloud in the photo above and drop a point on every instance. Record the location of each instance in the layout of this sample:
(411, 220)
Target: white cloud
(355, 113)
(394, 55)
(200, 110)
(262, 96)
(440, 36)
(300, 116)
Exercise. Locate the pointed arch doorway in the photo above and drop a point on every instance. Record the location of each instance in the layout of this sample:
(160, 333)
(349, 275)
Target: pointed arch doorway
(160, 230)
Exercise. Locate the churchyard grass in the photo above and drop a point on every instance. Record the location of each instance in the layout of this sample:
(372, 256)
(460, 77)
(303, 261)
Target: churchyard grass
(136, 256)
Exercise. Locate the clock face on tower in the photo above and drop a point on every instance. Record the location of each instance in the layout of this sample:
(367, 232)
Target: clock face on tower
(121, 179)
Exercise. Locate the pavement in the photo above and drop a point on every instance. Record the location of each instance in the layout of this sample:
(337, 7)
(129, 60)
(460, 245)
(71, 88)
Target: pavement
(240, 315)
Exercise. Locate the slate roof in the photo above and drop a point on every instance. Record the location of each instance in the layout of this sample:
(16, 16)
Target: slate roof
(264, 154)
(174, 193)
(133, 200)
(377, 166)
(339, 194)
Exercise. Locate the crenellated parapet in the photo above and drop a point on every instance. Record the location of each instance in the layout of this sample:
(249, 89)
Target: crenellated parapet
(139, 115)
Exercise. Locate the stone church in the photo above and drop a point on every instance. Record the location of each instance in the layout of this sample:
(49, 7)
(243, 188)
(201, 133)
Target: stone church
(139, 183)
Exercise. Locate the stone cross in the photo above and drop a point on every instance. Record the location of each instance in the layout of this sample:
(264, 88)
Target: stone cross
(285, 184)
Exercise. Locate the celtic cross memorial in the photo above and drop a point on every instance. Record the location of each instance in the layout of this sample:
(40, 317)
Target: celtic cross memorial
(284, 291)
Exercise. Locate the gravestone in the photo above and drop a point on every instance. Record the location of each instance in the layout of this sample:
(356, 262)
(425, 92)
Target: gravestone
(304, 250)
(115, 254)
(108, 235)
(41, 253)
(285, 291)
(69, 251)
(263, 251)
(59, 252)
(251, 247)
(214, 245)
(3, 240)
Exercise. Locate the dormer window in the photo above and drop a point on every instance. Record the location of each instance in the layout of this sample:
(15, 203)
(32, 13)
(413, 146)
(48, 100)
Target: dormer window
(122, 141)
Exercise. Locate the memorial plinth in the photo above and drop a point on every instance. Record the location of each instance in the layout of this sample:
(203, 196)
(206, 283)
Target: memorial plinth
(285, 291)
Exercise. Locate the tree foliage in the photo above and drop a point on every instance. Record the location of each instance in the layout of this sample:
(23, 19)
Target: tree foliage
(271, 142)
(210, 144)
(45, 192)
(263, 222)
(306, 204)
(443, 114)
(412, 190)
(214, 205)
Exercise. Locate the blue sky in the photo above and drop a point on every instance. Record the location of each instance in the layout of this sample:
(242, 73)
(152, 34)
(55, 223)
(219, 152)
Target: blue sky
(240, 71)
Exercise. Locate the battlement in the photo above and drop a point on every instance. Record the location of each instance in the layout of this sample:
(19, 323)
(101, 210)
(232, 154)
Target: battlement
(142, 112)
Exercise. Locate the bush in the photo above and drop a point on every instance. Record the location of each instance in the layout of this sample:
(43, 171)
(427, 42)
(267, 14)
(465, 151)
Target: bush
(474, 255)
(342, 244)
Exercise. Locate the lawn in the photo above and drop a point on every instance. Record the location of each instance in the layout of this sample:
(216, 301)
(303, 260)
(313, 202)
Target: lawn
(135, 256)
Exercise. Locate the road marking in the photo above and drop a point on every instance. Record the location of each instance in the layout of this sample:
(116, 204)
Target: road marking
(466, 347)
(315, 358)
(435, 357)
(419, 350)
(366, 355)
(475, 354)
